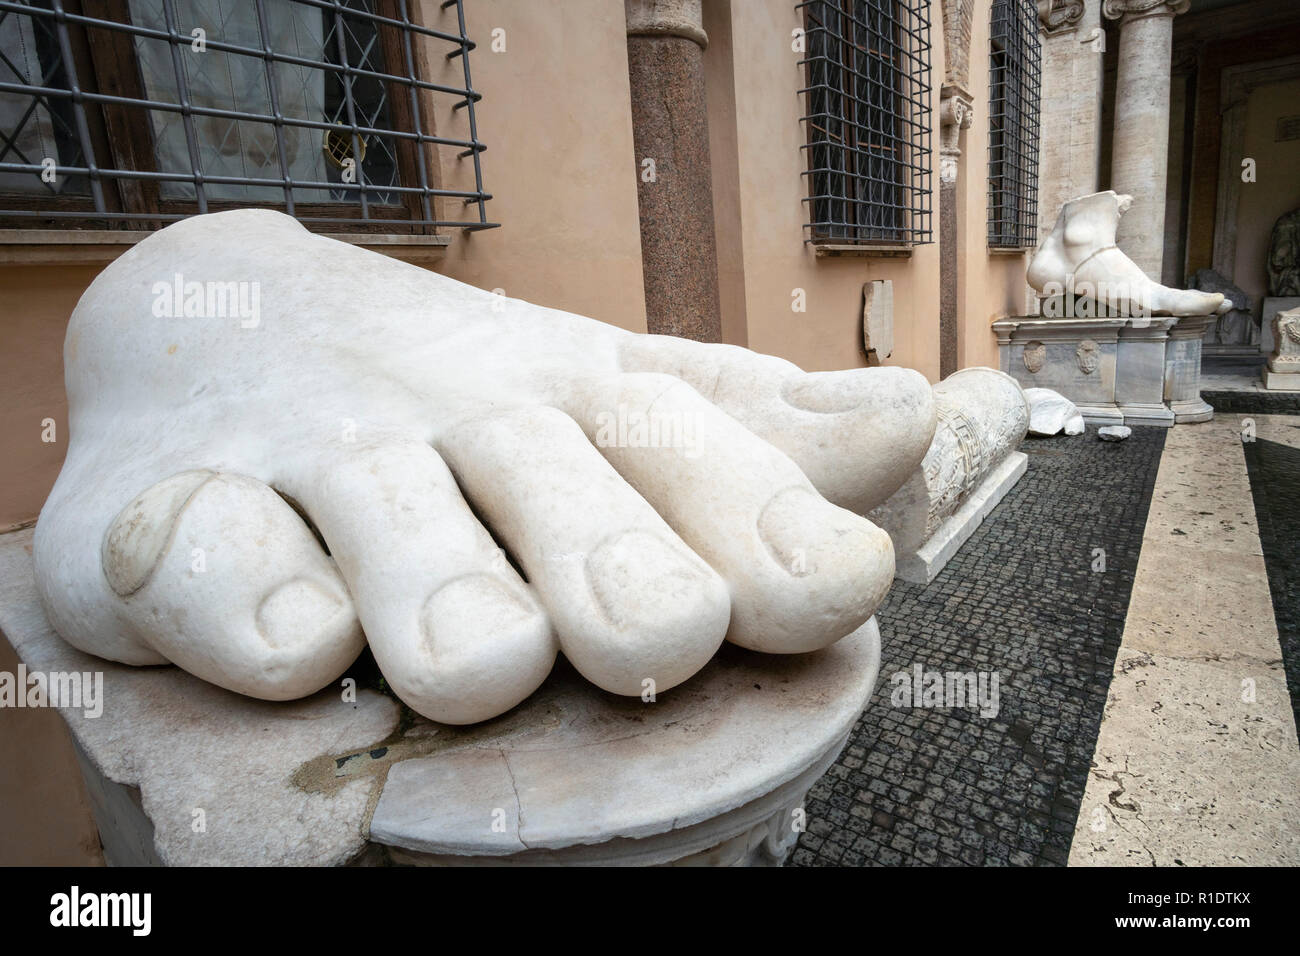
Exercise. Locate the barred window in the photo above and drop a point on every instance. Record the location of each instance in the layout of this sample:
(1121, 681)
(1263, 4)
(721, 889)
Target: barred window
(133, 113)
(1013, 124)
(867, 127)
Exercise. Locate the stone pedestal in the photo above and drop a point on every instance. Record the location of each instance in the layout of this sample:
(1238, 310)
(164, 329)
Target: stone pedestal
(1118, 371)
(1141, 136)
(1183, 370)
(1076, 357)
(181, 772)
(1139, 372)
(1272, 306)
(1282, 371)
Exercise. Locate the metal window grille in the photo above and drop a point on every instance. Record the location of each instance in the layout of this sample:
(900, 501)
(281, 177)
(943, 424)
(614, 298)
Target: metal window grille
(868, 121)
(1014, 72)
(312, 106)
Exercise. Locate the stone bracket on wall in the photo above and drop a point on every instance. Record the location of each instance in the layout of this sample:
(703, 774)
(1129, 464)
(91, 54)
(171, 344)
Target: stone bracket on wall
(956, 110)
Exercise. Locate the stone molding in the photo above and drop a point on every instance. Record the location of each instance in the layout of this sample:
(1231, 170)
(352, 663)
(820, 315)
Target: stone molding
(666, 18)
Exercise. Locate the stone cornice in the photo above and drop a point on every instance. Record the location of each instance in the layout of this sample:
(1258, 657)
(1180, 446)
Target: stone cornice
(1127, 10)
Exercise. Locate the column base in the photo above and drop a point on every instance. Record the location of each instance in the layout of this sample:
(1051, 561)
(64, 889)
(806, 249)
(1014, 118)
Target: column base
(1106, 413)
(1141, 413)
(1191, 410)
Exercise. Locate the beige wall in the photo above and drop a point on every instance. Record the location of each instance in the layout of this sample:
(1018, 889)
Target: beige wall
(560, 164)
(35, 302)
(1277, 187)
(990, 285)
(776, 260)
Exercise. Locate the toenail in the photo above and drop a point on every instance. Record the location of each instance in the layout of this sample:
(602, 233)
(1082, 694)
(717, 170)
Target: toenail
(137, 537)
(474, 607)
(637, 578)
(297, 610)
(797, 522)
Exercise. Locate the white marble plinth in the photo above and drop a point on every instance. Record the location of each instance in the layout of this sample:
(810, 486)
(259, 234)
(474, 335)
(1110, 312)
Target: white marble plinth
(1281, 381)
(1118, 371)
(711, 772)
(923, 565)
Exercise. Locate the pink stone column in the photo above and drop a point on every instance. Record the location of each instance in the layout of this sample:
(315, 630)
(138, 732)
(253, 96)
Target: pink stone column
(665, 56)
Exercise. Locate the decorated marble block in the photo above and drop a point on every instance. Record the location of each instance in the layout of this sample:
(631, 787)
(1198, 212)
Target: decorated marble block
(1282, 371)
(970, 466)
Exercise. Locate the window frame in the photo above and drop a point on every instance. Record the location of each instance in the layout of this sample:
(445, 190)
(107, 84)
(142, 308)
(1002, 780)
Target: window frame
(1015, 128)
(905, 128)
(106, 63)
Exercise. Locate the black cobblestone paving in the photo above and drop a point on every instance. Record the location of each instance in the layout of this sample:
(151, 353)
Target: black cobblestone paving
(945, 786)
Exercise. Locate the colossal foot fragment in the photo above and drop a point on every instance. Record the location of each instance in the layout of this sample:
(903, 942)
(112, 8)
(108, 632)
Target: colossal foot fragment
(284, 447)
(1080, 255)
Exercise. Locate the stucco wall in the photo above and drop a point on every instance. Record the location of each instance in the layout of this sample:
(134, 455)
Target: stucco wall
(768, 167)
(560, 164)
(991, 285)
(35, 302)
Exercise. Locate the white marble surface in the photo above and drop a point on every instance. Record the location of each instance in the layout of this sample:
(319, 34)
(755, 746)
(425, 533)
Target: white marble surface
(659, 495)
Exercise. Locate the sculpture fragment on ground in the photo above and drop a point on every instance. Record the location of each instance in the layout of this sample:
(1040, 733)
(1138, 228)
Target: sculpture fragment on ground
(1051, 413)
(254, 491)
(970, 466)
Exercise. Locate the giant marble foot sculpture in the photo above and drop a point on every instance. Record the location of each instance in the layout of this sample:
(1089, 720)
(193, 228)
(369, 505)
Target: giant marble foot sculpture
(1081, 253)
(252, 496)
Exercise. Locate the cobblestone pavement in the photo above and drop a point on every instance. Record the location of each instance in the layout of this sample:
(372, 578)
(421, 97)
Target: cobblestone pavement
(945, 786)
(1274, 468)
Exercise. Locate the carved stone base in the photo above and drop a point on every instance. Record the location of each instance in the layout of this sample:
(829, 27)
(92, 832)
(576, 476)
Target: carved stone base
(1118, 371)
(713, 772)
(971, 464)
(1281, 381)
(1158, 415)
(923, 565)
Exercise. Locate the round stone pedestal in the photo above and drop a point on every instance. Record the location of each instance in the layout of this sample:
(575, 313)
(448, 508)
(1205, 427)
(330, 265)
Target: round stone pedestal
(712, 773)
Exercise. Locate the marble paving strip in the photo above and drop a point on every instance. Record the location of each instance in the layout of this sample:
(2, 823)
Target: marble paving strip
(1197, 761)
